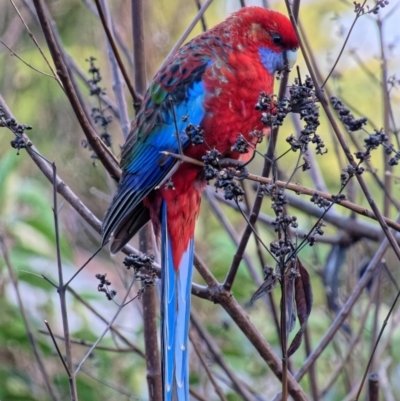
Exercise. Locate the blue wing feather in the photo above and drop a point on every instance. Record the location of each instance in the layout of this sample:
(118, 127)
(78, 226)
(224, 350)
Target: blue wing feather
(144, 165)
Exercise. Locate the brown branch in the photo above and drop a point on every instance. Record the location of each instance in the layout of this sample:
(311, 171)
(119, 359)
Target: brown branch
(149, 299)
(346, 309)
(373, 387)
(376, 344)
(139, 45)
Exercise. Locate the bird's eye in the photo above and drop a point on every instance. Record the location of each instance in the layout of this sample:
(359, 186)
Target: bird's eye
(276, 39)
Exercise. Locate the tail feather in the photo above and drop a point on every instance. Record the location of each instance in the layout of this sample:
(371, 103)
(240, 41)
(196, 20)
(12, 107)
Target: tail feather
(176, 292)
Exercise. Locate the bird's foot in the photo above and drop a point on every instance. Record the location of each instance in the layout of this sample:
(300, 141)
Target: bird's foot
(241, 170)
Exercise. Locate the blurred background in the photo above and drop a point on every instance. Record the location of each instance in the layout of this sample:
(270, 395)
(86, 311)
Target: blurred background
(335, 263)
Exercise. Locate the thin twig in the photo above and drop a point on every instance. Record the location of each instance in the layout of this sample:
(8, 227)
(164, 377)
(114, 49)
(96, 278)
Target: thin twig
(104, 320)
(85, 343)
(91, 349)
(312, 375)
(203, 362)
(61, 294)
(376, 344)
(196, 395)
(350, 349)
(57, 348)
(135, 96)
(386, 116)
(358, 15)
(218, 357)
(83, 266)
(118, 84)
(37, 45)
(112, 386)
(27, 64)
(189, 29)
(203, 20)
(36, 350)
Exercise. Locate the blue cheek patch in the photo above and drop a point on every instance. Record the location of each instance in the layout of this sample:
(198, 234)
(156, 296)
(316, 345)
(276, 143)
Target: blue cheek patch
(271, 61)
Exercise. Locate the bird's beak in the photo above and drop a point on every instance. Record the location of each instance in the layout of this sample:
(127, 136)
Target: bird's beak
(291, 57)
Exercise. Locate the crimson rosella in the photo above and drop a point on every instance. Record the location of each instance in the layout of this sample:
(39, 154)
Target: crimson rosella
(213, 82)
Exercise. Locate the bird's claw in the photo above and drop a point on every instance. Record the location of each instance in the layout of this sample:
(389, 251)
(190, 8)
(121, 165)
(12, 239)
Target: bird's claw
(241, 170)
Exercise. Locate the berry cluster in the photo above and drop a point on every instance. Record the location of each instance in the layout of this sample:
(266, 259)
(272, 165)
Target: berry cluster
(211, 164)
(97, 113)
(303, 101)
(195, 134)
(361, 9)
(18, 129)
(104, 286)
(137, 263)
(225, 180)
(346, 117)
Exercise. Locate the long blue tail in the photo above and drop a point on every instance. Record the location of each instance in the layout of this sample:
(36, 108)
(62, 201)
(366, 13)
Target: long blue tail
(175, 316)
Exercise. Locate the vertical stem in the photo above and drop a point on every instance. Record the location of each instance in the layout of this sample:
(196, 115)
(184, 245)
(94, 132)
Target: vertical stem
(138, 46)
(386, 109)
(203, 20)
(313, 377)
(375, 296)
(284, 332)
(153, 364)
(373, 387)
(118, 83)
(61, 292)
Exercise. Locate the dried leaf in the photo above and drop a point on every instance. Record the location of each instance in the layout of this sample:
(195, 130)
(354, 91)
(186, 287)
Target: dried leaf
(271, 280)
(304, 300)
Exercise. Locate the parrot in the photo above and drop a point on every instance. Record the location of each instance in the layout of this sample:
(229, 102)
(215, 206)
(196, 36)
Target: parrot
(212, 82)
